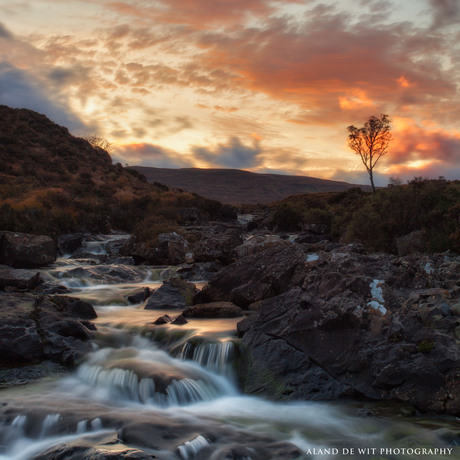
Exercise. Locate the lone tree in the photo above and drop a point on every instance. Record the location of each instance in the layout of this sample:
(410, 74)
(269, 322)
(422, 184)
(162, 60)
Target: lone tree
(371, 142)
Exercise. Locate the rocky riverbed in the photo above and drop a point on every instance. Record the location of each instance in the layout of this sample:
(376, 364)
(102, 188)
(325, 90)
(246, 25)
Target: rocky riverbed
(179, 357)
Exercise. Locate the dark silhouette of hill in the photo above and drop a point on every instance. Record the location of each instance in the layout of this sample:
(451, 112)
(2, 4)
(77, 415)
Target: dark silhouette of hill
(233, 186)
(52, 182)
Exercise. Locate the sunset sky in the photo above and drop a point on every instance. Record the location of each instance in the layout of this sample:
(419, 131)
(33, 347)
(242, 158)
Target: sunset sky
(266, 86)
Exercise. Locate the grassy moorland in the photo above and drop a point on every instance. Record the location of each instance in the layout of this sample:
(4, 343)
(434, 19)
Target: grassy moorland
(432, 206)
(52, 183)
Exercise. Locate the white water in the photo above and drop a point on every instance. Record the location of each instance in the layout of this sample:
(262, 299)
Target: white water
(179, 374)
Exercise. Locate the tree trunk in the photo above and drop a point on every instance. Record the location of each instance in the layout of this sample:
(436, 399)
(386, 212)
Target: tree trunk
(371, 175)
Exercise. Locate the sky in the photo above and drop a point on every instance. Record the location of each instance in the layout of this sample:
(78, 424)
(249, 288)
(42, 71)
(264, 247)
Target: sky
(262, 85)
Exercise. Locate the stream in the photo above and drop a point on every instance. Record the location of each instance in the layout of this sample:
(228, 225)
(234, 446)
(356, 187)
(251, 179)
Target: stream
(172, 391)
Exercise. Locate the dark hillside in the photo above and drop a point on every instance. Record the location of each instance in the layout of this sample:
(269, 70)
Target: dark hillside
(233, 186)
(52, 182)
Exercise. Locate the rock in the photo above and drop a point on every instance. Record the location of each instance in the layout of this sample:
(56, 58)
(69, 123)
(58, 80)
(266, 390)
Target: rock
(357, 326)
(67, 244)
(21, 250)
(18, 278)
(213, 310)
(179, 320)
(139, 297)
(33, 330)
(174, 294)
(72, 306)
(455, 309)
(162, 320)
(258, 243)
(170, 249)
(203, 271)
(174, 247)
(215, 243)
(255, 277)
(93, 447)
(413, 243)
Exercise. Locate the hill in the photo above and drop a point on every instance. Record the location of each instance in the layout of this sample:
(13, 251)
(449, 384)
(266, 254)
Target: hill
(234, 186)
(52, 183)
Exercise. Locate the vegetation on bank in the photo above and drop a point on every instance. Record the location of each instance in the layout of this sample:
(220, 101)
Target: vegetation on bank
(53, 183)
(432, 206)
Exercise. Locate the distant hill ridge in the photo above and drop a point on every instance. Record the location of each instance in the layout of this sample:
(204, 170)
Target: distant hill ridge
(233, 186)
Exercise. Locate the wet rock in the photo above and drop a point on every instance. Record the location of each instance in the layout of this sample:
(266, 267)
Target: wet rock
(21, 250)
(18, 278)
(175, 294)
(67, 244)
(213, 310)
(139, 297)
(359, 325)
(93, 447)
(255, 277)
(36, 329)
(72, 306)
(162, 320)
(179, 320)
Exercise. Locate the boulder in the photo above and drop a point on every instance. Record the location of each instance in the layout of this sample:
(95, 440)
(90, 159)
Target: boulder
(359, 325)
(173, 294)
(215, 243)
(139, 297)
(213, 310)
(170, 249)
(67, 244)
(255, 277)
(49, 327)
(413, 243)
(258, 243)
(18, 278)
(179, 320)
(162, 320)
(21, 250)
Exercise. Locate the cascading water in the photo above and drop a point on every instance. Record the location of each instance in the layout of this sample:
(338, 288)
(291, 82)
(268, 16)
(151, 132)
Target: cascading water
(170, 390)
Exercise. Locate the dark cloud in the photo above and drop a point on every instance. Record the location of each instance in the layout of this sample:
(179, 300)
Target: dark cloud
(234, 154)
(145, 154)
(4, 32)
(20, 89)
(446, 12)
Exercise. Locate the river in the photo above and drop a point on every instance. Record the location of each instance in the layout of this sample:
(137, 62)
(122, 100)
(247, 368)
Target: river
(172, 391)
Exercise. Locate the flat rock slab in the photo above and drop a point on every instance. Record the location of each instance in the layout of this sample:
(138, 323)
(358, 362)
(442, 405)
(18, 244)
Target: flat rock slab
(18, 278)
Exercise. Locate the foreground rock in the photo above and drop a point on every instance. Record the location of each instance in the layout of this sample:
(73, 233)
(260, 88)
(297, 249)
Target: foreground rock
(21, 250)
(48, 328)
(213, 310)
(347, 324)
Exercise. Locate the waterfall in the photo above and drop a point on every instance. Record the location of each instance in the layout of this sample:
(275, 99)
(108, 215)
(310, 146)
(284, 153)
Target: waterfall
(214, 355)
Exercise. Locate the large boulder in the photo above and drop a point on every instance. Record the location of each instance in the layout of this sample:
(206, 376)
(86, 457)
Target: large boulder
(255, 277)
(49, 327)
(172, 294)
(373, 326)
(21, 250)
(215, 243)
(170, 249)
